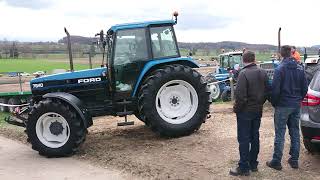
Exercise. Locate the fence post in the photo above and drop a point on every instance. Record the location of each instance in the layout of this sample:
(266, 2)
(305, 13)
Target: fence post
(20, 82)
(90, 61)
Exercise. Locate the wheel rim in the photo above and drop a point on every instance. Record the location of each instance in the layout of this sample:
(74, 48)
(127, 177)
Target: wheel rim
(52, 130)
(214, 91)
(176, 101)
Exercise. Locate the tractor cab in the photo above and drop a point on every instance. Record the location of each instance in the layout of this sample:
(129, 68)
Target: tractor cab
(228, 61)
(131, 46)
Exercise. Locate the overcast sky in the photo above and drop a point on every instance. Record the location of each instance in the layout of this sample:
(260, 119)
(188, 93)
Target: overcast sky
(251, 21)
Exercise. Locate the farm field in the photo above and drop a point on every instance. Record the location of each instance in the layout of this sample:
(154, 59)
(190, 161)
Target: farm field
(33, 65)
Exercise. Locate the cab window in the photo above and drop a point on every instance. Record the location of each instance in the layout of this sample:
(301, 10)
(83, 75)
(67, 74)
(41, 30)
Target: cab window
(163, 42)
(130, 46)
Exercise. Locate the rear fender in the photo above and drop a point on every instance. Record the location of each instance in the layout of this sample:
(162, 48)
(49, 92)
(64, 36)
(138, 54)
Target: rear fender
(155, 64)
(74, 102)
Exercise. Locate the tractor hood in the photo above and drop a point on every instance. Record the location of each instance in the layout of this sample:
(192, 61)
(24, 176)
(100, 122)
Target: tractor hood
(68, 79)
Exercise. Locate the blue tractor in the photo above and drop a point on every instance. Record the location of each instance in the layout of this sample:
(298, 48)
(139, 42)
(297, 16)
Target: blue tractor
(230, 65)
(219, 81)
(144, 75)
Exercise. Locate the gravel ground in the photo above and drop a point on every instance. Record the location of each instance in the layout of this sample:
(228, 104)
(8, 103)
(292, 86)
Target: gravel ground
(206, 154)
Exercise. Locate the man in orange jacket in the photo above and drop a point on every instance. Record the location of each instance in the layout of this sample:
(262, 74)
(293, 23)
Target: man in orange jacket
(295, 54)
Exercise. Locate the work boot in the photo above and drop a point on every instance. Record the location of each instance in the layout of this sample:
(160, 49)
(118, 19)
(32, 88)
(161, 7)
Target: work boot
(293, 164)
(276, 166)
(254, 169)
(238, 172)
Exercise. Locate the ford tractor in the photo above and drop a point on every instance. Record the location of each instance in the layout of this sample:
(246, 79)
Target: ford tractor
(144, 75)
(220, 80)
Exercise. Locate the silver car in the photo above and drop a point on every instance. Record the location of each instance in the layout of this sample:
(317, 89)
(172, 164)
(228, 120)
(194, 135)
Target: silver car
(310, 116)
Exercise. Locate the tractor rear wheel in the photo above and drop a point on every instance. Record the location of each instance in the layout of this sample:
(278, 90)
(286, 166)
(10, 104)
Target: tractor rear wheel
(3, 108)
(55, 129)
(226, 95)
(174, 101)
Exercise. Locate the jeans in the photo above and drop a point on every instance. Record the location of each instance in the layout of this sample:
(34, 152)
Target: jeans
(248, 138)
(286, 116)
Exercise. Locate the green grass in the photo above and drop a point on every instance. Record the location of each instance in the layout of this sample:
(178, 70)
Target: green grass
(33, 65)
(2, 116)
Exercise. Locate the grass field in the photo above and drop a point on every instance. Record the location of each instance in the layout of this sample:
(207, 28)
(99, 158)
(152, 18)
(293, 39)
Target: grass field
(2, 116)
(33, 65)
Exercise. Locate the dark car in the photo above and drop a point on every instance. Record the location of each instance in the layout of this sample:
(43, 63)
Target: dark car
(310, 116)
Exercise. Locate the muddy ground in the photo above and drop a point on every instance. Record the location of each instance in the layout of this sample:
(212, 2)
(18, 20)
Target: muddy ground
(206, 154)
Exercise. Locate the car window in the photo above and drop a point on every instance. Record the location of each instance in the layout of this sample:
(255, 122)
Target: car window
(315, 83)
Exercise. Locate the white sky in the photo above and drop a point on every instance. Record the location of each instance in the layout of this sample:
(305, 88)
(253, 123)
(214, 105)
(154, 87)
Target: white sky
(251, 21)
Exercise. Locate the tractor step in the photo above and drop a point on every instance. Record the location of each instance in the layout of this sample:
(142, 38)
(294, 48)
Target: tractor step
(125, 113)
(128, 123)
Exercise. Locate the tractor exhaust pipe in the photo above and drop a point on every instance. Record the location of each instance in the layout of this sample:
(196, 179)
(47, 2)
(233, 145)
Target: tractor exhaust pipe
(69, 49)
(279, 42)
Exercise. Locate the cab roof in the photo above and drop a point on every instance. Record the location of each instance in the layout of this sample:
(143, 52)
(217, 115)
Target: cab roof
(140, 24)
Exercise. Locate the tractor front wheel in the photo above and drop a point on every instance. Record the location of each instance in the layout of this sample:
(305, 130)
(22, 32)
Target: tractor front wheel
(55, 129)
(174, 101)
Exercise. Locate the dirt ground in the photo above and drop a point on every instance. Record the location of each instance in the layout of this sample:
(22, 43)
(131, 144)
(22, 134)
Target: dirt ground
(17, 161)
(206, 154)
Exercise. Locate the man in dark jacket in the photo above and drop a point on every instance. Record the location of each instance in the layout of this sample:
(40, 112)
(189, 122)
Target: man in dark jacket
(289, 87)
(250, 95)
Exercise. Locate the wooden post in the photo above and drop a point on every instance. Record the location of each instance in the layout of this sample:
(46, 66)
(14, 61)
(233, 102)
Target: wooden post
(69, 49)
(20, 82)
(90, 61)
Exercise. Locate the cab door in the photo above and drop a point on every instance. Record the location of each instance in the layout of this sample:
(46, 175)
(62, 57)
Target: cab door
(130, 55)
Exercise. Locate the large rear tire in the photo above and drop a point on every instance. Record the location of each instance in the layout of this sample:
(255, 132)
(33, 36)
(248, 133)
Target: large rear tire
(174, 101)
(3, 108)
(55, 129)
(226, 95)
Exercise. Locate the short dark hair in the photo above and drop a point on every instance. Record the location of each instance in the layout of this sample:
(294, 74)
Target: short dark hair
(286, 51)
(248, 57)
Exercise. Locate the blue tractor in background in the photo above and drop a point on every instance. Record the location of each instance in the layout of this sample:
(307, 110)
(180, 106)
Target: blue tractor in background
(144, 75)
(229, 64)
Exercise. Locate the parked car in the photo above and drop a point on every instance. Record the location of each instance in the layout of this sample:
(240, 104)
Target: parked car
(39, 73)
(24, 74)
(310, 115)
(12, 74)
(312, 65)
